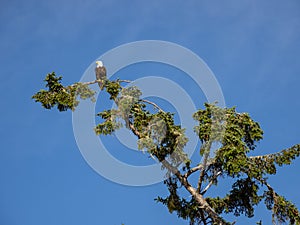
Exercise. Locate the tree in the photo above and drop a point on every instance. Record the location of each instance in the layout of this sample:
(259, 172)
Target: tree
(235, 134)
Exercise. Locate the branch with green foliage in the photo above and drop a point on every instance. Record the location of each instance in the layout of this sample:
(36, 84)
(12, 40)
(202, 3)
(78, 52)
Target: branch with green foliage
(235, 134)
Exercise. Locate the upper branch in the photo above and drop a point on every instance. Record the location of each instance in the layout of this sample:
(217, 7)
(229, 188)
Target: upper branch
(100, 81)
(193, 170)
(152, 103)
(284, 156)
(211, 182)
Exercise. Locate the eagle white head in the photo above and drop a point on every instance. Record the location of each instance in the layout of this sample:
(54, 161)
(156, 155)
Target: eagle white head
(99, 63)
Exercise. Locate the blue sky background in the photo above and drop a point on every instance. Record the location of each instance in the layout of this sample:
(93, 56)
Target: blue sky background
(251, 46)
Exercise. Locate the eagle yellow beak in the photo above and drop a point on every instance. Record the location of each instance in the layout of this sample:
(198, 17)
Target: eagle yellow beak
(99, 63)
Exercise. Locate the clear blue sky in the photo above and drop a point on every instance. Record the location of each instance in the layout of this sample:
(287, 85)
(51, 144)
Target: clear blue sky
(251, 46)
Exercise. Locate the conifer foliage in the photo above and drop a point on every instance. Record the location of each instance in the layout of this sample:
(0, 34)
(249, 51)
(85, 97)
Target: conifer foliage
(235, 134)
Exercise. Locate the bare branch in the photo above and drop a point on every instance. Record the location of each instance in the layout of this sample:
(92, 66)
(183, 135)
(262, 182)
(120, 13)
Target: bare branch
(200, 180)
(202, 174)
(124, 81)
(100, 81)
(193, 170)
(210, 183)
(263, 156)
(295, 148)
(152, 103)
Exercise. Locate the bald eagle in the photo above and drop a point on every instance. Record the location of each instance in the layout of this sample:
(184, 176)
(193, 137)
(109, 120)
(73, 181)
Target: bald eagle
(100, 73)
